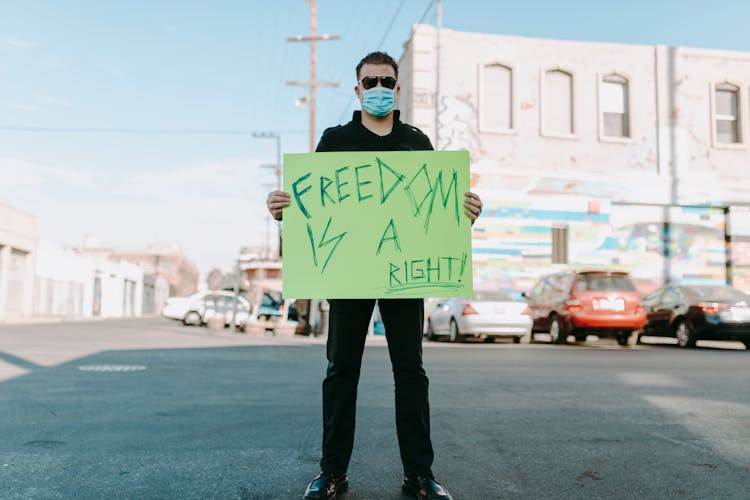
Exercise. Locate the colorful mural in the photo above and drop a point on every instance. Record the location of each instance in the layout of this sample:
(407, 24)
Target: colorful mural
(513, 238)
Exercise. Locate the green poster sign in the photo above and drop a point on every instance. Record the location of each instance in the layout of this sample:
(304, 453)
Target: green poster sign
(377, 225)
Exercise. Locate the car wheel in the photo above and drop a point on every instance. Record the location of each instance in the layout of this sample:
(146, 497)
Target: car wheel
(192, 318)
(623, 339)
(685, 334)
(430, 331)
(455, 335)
(557, 334)
(747, 344)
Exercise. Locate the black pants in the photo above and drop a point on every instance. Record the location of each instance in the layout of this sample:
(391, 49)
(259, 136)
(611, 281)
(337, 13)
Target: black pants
(347, 330)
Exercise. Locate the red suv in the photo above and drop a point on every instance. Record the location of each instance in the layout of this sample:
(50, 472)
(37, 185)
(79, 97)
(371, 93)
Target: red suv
(602, 303)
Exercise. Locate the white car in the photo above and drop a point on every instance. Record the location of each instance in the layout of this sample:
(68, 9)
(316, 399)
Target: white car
(488, 315)
(201, 306)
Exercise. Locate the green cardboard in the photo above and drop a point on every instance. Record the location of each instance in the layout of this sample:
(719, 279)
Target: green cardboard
(386, 224)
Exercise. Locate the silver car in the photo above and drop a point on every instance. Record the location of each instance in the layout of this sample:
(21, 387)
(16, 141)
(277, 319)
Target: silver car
(199, 307)
(487, 316)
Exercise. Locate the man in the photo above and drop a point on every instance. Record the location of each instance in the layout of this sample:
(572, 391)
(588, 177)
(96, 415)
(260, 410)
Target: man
(376, 128)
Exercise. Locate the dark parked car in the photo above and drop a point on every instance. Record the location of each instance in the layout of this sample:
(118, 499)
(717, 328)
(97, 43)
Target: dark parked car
(602, 303)
(692, 313)
(272, 306)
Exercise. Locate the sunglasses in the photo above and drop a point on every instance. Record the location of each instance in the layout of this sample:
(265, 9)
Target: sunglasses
(369, 82)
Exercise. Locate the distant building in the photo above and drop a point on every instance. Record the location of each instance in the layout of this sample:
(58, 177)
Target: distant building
(18, 243)
(155, 294)
(262, 273)
(75, 284)
(592, 154)
(165, 261)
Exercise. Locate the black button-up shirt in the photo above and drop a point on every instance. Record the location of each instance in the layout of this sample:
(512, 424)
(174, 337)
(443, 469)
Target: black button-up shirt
(356, 137)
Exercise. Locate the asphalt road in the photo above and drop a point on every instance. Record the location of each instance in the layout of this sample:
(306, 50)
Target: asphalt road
(150, 409)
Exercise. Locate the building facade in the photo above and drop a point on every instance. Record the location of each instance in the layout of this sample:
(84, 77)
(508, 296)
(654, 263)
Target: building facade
(70, 284)
(18, 243)
(592, 154)
(167, 262)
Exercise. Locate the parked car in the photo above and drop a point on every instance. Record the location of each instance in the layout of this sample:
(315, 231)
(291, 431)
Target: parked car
(199, 307)
(579, 303)
(488, 315)
(272, 306)
(698, 312)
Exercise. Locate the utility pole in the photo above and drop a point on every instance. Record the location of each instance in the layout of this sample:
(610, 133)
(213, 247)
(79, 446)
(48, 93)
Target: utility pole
(313, 83)
(238, 277)
(277, 167)
(306, 304)
(438, 28)
(267, 247)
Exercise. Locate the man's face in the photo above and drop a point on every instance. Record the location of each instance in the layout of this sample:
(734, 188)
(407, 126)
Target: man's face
(375, 70)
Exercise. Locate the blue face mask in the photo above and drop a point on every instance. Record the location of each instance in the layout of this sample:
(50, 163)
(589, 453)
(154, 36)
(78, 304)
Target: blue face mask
(378, 101)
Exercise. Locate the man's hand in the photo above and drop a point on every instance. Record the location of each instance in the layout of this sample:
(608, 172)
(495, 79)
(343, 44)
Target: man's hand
(473, 206)
(276, 202)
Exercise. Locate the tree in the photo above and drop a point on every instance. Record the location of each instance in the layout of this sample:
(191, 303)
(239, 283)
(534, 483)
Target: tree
(215, 279)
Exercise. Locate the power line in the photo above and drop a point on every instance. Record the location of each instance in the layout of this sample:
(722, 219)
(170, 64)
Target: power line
(390, 25)
(380, 46)
(364, 47)
(427, 11)
(138, 131)
(313, 83)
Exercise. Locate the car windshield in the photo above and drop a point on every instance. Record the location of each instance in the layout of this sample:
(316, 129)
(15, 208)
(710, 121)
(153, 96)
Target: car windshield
(717, 294)
(604, 283)
(270, 301)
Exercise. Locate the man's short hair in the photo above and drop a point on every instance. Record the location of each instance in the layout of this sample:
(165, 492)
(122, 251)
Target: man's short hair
(377, 58)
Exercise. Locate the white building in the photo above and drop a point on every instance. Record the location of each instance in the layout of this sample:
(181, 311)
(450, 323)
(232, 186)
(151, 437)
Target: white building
(585, 153)
(74, 285)
(18, 241)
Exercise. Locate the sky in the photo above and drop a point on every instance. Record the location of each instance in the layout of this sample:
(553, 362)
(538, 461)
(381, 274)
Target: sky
(131, 121)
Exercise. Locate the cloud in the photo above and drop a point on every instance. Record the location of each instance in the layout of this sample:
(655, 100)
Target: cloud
(48, 62)
(224, 179)
(16, 43)
(17, 173)
(210, 233)
(57, 102)
(211, 209)
(23, 106)
(115, 72)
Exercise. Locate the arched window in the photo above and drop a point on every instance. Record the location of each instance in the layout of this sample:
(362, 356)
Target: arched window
(727, 113)
(497, 98)
(614, 106)
(558, 102)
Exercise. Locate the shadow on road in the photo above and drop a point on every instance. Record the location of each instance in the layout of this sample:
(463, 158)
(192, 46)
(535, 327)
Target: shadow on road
(244, 422)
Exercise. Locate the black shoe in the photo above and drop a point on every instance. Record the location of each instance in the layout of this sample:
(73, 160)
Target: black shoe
(325, 487)
(425, 488)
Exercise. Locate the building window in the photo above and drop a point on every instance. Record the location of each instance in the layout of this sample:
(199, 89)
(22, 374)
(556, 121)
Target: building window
(497, 97)
(614, 104)
(558, 102)
(727, 114)
(560, 244)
